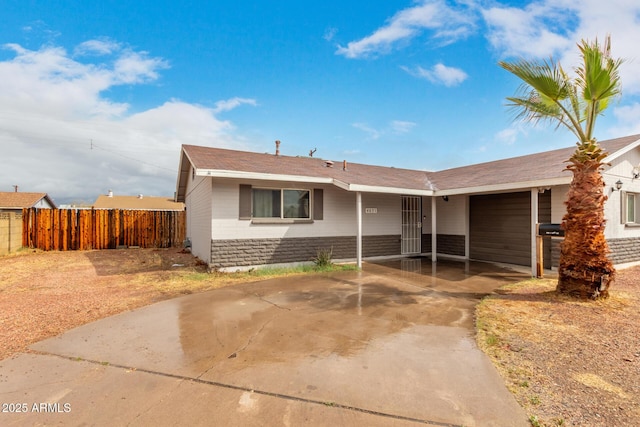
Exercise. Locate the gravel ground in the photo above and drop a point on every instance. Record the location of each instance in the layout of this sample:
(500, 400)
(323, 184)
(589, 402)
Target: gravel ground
(568, 362)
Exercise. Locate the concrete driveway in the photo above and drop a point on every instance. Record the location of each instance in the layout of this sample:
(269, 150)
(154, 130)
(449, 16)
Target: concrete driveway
(391, 345)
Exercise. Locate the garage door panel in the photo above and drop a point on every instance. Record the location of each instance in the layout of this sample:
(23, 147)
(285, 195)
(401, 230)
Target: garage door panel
(499, 228)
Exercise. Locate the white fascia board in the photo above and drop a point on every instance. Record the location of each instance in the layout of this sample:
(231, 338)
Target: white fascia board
(512, 186)
(386, 190)
(621, 152)
(262, 176)
(341, 184)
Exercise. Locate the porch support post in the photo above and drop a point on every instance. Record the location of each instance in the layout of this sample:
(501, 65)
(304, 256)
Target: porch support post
(467, 227)
(434, 231)
(534, 221)
(359, 234)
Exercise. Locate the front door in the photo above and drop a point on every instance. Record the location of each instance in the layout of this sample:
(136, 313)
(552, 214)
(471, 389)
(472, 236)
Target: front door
(411, 225)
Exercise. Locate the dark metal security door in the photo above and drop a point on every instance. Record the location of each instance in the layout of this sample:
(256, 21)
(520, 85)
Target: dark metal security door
(411, 225)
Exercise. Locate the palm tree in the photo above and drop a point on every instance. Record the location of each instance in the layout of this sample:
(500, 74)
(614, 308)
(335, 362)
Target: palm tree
(548, 93)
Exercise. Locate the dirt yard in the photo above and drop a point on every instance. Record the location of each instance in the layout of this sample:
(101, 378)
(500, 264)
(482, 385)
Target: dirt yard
(43, 294)
(568, 362)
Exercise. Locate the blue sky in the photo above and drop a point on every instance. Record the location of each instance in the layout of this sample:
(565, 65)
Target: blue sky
(100, 95)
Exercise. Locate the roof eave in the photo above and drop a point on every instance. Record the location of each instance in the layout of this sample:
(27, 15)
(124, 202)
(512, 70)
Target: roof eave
(183, 174)
(511, 186)
(621, 152)
(387, 190)
(216, 173)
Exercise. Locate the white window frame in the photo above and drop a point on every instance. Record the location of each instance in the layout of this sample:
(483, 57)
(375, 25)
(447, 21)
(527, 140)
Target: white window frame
(625, 197)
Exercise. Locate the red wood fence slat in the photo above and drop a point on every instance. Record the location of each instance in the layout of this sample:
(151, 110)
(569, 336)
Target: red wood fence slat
(82, 229)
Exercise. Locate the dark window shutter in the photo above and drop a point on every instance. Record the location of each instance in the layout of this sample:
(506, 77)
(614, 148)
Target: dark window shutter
(318, 204)
(245, 202)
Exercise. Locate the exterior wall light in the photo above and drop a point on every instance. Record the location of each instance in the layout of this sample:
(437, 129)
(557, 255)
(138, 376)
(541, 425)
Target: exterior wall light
(636, 172)
(618, 186)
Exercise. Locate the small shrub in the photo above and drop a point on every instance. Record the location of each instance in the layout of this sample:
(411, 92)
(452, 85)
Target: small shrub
(535, 422)
(324, 258)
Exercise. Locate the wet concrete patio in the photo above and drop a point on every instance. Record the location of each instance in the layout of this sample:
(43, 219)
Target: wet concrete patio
(390, 345)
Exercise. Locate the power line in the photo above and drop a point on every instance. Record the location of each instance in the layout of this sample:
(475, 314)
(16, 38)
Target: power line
(94, 145)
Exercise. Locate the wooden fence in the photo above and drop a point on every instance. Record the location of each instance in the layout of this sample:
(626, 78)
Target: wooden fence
(82, 229)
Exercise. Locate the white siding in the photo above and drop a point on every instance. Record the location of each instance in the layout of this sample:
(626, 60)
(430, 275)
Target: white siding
(621, 169)
(388, 218)
(42, 203)
(558, 208)
(451, 215)
(198, 202)
(339, 216)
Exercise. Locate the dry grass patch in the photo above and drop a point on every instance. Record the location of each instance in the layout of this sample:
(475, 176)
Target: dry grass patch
(568, 362)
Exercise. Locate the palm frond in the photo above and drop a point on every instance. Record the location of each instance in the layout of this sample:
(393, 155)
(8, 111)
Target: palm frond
(548, 93)
(598, 79)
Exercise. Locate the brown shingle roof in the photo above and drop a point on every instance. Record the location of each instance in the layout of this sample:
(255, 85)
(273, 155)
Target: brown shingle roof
(532, 168)
(135, 202)
(356, 174)
(19, 200)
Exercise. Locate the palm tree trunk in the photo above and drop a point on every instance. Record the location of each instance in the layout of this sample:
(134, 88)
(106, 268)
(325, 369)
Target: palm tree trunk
(585, 269)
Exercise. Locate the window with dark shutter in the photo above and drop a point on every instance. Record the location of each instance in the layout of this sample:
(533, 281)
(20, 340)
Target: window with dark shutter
(318, 204)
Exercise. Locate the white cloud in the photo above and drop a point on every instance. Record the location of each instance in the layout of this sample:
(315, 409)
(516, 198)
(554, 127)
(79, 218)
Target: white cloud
(540, 29)
(537, 30)
(232, 103)
(554, 27)
(97, 47)
(136, 67)
(509, 135)
(446, 23)
(400, 126)
(64, 137)
(439, 74)
(628, 119)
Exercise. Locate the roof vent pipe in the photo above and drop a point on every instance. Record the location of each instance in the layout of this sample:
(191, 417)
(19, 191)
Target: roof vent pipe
(344, 165)
(277, 148)
(110, 193)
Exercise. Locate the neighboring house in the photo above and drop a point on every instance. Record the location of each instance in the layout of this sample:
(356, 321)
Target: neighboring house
(15, 201)
(248, 209)
(139, 202)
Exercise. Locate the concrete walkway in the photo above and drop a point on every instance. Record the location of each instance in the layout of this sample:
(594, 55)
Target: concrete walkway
(390, 346)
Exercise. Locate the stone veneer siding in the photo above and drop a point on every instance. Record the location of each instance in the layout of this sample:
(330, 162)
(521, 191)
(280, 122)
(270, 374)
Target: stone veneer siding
(622, 250)
(247, 252)
(448, 244)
